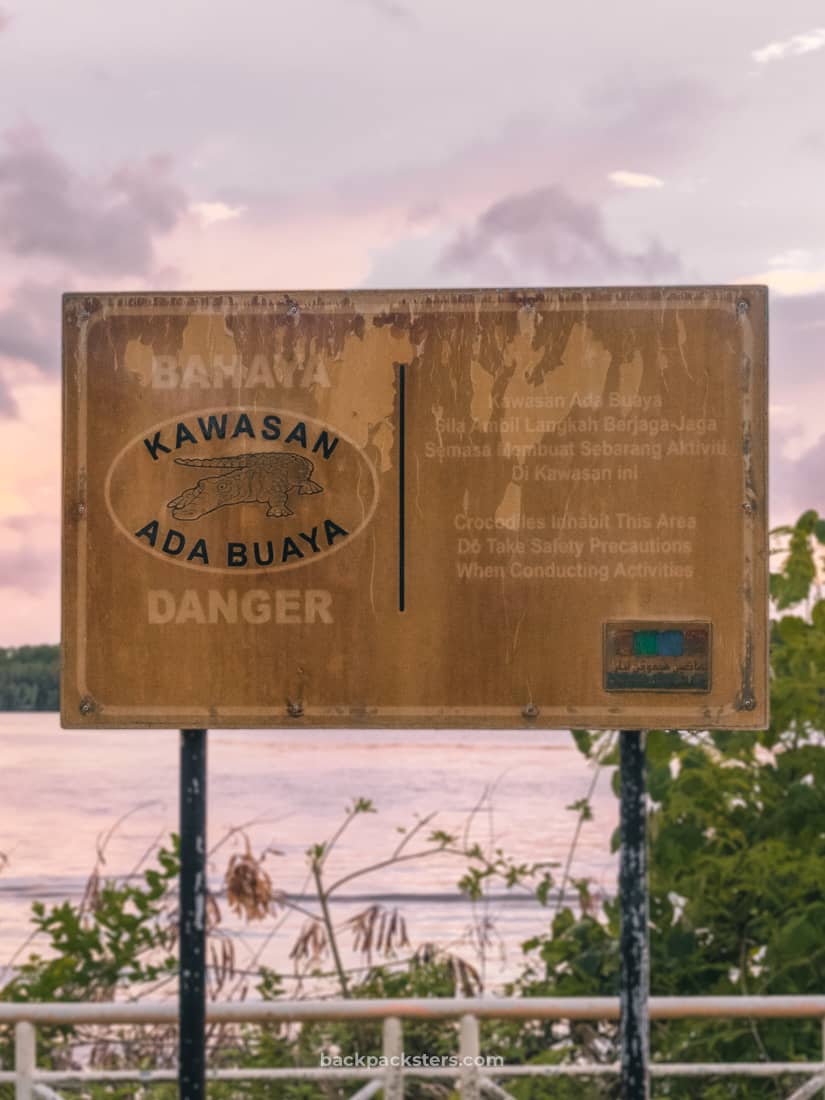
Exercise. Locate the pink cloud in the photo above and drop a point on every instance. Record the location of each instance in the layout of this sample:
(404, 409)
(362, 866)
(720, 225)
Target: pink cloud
(796, 485)
(30, 325)
(548, 235)
(656, 125)
(392, 10)
(106, 226)
(31, 572)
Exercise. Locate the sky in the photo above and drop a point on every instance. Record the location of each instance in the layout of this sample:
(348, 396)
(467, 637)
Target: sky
(378, 143)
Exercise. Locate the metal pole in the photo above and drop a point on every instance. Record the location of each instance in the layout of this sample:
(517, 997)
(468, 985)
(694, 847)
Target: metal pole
(634, 1026)
(192, 984)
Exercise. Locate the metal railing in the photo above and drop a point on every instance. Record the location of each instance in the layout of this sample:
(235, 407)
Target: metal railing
(474, 1075)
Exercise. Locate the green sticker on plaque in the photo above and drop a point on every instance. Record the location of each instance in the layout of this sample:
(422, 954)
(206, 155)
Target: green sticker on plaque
(661, 656)
(644, 643)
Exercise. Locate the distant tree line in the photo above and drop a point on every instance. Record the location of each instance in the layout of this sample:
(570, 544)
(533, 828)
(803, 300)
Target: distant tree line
(30, 677)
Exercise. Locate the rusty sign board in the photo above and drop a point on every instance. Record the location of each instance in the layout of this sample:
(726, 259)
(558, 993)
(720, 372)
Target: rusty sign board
(429, 508)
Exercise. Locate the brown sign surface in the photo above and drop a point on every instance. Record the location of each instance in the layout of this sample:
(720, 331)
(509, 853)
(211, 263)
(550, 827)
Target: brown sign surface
(427, 508)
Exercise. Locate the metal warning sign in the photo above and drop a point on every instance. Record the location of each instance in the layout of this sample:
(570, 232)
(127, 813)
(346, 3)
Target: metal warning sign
(427, 508)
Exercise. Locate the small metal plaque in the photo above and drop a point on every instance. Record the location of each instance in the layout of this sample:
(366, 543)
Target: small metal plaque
(657, 656)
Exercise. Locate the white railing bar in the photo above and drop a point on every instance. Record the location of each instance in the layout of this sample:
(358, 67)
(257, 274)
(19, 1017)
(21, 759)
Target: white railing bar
(492, 1089)
(33, 1084)
(369, 1090)
(808, 1090)
(297, 1073)
(43, 1092)
(732, 1069)
(429, 1008)
(314, 1073)
(662, 1069)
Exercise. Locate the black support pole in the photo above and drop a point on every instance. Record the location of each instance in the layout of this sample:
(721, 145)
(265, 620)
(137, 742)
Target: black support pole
(192, 985)
(634, 947)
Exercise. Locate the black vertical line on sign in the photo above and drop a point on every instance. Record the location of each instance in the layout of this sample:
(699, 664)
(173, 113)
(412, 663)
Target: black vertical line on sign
(192, 930)
(402, 474)
(634, 1025)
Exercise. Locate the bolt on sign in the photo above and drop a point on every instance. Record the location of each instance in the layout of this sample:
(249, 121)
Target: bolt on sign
(416, 508)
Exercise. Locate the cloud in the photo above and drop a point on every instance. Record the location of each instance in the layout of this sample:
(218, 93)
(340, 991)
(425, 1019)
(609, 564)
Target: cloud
(23, 571)
(623, 178)
(212, 212)
(798, 340)
(30, 326)
(789, 280)
(797, 365)
(657, 124)
(795, 46)
(791, 257)
(391, 9)
(812, 142)
(108, 226)
(29, 333)
(654, 123)
(800, 482)
(53, 219)
(8, 406)
(549, 236)
(29, 554)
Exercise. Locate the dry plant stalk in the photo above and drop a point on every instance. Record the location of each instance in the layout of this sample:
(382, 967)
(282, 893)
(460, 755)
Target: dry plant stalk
(380, 930)
(310, 944)
(467, 981)
(248, 885)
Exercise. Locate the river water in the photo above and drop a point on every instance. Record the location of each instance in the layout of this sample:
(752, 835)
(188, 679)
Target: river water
(62, 791)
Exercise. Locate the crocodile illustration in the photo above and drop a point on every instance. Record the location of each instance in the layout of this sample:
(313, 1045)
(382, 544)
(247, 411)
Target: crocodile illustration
(265, 478)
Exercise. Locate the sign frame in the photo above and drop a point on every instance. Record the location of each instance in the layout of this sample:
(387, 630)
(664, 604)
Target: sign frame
(86, 706)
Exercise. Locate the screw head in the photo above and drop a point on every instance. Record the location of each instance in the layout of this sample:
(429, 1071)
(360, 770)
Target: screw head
(742, 306)
(295, 709)
(530, 711)
(87, 705)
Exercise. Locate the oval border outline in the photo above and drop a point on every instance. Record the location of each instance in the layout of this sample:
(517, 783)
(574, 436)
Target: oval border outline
(236, 572)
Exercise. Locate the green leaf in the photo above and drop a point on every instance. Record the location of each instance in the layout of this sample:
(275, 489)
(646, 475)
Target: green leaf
(584, 741)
